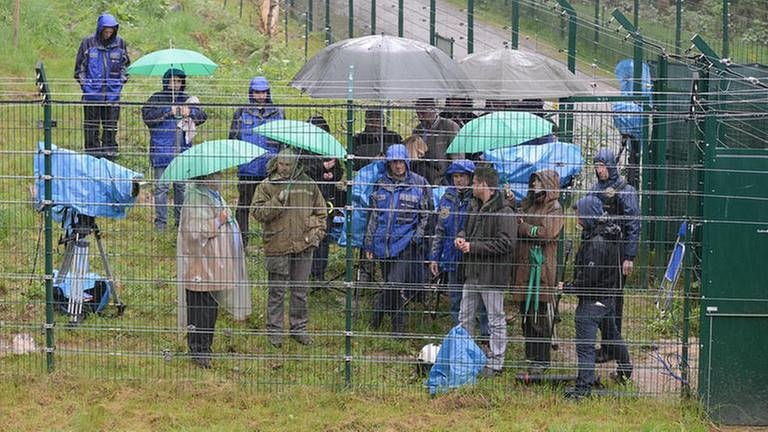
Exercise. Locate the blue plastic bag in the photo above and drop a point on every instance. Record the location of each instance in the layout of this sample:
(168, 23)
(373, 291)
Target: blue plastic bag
(458, 362)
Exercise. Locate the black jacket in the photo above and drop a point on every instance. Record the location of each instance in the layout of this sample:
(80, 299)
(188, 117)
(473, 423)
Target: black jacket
(368, 145)
(492, 233)
(597, 272)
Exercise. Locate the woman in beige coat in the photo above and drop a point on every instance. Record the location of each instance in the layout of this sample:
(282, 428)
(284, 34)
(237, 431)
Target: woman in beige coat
(210, 265)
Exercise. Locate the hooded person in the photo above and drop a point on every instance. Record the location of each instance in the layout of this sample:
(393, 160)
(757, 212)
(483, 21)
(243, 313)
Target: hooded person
(293, 213)
(100, 69)
(165, 114)
(621, 202)
(540, 223)
(210, 266)
(597, 279)
(260, 110)
(401, 204)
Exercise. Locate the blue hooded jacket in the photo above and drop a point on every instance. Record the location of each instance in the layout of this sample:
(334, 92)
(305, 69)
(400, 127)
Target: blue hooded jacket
(400, 209)
(452, 214)
(100, 64)
(620, 201)
(248, 117)
(164, 135)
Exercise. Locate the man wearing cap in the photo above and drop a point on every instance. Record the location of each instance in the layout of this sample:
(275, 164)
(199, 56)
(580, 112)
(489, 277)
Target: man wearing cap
(293, 214)
(100, 69)
(401, 207)
(438, 133)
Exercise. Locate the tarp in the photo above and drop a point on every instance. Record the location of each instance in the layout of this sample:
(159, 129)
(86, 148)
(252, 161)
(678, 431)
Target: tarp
(362, 187)
(88, 185)
(516, 164)
(625, 121)
(458, 362)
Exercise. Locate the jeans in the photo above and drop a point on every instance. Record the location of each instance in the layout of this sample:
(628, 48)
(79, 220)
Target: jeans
(161, 200)
(493, 299)
(455, 293)
(589, 316)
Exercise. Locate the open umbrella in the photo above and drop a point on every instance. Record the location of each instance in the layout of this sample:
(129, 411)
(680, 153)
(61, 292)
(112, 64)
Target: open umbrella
(515, 74)
(385, 68)
(497, 130)
(302, 135)
(210, 157)
(156, 63)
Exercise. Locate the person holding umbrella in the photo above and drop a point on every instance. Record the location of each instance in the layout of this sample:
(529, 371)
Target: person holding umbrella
(100, 69)
(210, 259)
(293, 215)
(171, 120)
(259, 111)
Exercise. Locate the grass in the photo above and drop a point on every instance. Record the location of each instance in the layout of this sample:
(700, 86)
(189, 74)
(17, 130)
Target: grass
(62, 402)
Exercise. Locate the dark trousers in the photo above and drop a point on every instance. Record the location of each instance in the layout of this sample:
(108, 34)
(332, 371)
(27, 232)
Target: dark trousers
(245, 190)
(589, 316)
(320, 259)
(202, 310)
(400, 274)
(537, 334)
(100, 118)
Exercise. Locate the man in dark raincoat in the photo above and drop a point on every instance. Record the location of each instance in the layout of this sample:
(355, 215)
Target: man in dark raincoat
(438, 133)
(374, 140)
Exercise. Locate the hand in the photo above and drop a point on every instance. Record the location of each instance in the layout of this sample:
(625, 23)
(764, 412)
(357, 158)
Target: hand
(627, 267)
(434, 268)
(560, 286)
(462, 245)
(174, 110)
(459, 242)
(369, 255)
(328, 176)
(224, 216)
(341, 185)
(283, 195)
(185, 111)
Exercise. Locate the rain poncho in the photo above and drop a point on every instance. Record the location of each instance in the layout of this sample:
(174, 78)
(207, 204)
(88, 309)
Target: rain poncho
(209, 255)
(85, 185)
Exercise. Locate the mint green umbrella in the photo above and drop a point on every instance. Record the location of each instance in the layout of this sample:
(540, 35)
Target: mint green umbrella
(497, 130)
(156, 63)
(210, 157)
(302, 135)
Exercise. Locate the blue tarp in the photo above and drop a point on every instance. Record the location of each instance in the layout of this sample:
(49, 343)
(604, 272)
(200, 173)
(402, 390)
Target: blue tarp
(89, 283)
(458, 362)
(362, 188)
(88, 185)
(626, 122)
(516, 164)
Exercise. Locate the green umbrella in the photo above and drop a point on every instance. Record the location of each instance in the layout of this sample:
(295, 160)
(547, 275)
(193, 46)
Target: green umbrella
(210, 157)
(156, 63)
(302, 135)
(498, 130)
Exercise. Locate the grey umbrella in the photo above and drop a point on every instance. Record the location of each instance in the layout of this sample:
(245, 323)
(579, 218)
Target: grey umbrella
(385, 68)
(514, 74)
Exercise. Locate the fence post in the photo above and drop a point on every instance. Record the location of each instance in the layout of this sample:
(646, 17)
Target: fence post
(42, 83)
(515, 24)
(470, 26)
(285, 21)
(373, 17)
(348, 279)
(306, 35)
(660, 152)
(241, 9)
(678, 25)
(597, 24)
(636, 14)
(327, 23)
(571, 34)
(310, 14)
(351, 22)
(432, 16)
(726, 51)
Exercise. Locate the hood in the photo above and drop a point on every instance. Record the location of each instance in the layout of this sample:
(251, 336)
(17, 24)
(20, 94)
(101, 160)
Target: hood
(298, 168)
(106, 20)
(398, 152)
(550, 181)
(259, 83)
(606, 156)
(461, 166)
(174, 73)
(590, 211)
